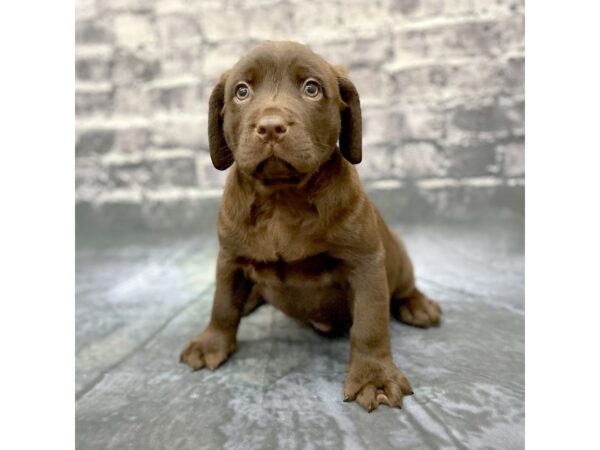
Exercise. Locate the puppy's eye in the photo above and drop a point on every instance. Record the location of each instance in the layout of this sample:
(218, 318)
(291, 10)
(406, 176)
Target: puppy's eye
(242, 91)
(311, 88)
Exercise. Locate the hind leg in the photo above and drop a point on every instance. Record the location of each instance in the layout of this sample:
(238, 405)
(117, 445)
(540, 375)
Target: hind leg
(416, 309)
(407, 304)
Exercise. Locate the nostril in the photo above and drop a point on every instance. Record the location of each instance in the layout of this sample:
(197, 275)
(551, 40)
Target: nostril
(271, 127)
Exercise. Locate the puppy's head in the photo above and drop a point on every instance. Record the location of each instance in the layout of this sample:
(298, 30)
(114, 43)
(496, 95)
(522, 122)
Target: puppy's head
(280, 112)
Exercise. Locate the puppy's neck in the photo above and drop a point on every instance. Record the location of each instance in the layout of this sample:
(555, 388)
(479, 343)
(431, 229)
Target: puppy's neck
(332, 172)
(331, 192)
(333, 188)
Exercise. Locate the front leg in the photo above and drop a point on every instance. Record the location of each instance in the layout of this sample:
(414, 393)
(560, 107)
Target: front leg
(218, 340)
(372, 376)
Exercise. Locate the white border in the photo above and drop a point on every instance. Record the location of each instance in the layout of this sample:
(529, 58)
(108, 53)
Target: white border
(37, 234)
(37, 225)
(562, 225)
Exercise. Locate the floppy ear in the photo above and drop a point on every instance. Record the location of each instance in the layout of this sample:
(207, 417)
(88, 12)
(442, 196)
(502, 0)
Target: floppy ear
(220, 153)
(351, 132)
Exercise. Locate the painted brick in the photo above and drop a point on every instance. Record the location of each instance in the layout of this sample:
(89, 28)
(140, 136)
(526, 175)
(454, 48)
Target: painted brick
(182, 60)
(178, 30)
(91, 142)
(313, 20)
(355, 51)
(376, 163)
(117, 139)
(85, 9)
(218, 23)
(208, 175)
(512, 155)
(135, 32)
(361, 15)
(181, 47)
(166, 168)
(422, 122)
(166, 7)
(381, 125)
(441, 81)
(173, 171)
(93, 102)
(487, 118)
(515, 111)
(134, 67)
(130, 174)
(220, 57)
(128, 5)
(463, 38)
(179, 97)
(371, 83)
(187, 132)
(471, 160)
(441, 84)
(91, 179)
(132, 140)
(420, 159)
(96, 30)
(131, 99)
(269, 21)
(93, 68)
(514, 73)
(416, 8)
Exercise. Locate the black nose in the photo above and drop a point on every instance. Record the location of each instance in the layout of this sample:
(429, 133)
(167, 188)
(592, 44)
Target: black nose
(271, 127)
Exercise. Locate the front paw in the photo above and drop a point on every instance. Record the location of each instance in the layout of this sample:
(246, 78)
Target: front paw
(210, 349)
(373, 382)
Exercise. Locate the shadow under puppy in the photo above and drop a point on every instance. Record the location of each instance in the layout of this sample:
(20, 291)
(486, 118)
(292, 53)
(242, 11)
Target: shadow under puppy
(295, 227)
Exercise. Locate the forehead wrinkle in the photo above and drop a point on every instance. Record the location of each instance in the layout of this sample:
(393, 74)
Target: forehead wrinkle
(275, 74)
(305, 68)
(257, 69)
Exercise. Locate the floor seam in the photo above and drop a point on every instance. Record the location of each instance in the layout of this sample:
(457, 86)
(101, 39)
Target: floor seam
(98, 379)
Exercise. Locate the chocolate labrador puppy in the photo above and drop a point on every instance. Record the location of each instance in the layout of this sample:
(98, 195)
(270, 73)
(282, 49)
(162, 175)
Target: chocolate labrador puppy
(295, 227)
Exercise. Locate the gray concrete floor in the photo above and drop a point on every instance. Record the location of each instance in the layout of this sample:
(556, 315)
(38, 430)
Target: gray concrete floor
(140, 296)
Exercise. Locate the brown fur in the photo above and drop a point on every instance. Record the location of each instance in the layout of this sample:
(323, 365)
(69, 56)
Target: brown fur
(295, 227)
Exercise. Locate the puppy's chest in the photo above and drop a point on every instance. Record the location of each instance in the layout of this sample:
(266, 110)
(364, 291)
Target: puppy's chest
(318, 270)
(283, 233)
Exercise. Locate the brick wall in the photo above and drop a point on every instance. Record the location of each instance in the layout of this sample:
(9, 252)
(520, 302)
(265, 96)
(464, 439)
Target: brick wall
(441, 84)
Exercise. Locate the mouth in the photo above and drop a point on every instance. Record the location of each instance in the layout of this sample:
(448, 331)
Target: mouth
(274, 171)
(280, 181)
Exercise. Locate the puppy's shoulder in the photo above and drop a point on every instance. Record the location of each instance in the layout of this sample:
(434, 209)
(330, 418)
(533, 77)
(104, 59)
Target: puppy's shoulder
(236, 204)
